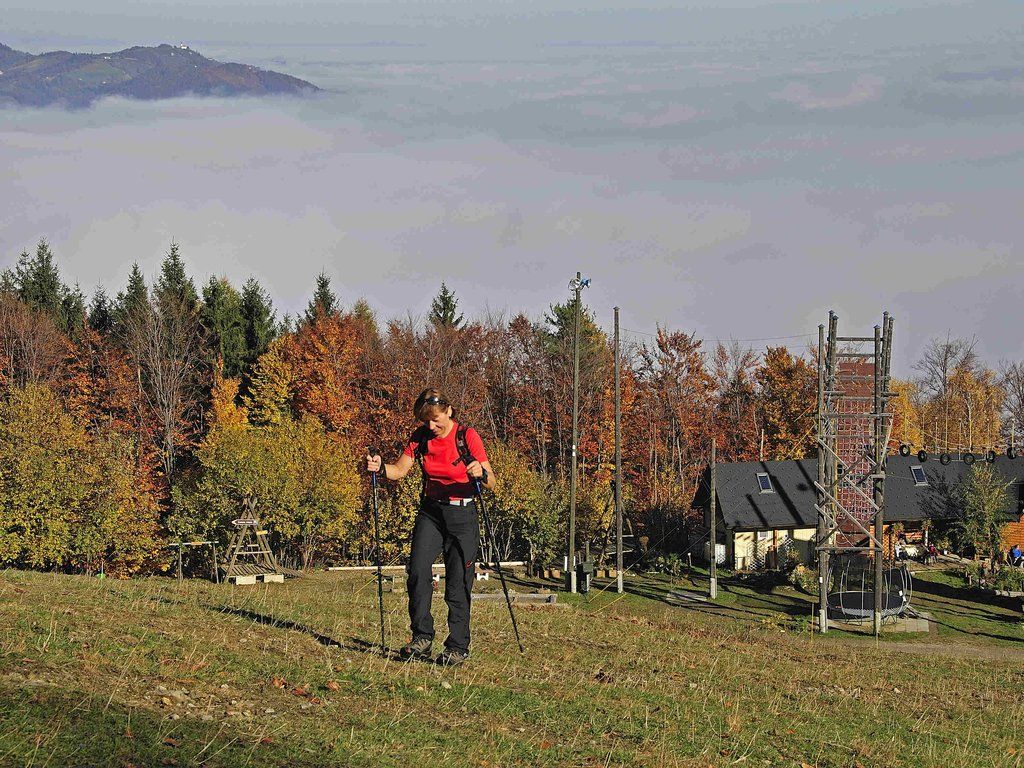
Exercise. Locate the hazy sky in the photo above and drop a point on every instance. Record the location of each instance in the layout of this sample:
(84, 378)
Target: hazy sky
(733, 168)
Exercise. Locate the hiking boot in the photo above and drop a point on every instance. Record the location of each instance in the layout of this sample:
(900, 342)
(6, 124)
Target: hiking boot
(452, 658)
(417, 648)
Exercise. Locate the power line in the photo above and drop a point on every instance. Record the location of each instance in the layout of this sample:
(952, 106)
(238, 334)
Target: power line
(719, 341)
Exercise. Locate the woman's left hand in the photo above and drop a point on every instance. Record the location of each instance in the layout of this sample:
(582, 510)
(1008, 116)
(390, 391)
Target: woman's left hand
(475, 470)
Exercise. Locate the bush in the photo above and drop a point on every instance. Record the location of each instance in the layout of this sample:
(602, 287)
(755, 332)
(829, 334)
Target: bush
(1008, 578)
(790, 560)
(804, 579)
(669, 563)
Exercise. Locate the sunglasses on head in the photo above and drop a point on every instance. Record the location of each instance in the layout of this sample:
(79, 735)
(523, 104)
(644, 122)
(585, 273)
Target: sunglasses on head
(435, 400)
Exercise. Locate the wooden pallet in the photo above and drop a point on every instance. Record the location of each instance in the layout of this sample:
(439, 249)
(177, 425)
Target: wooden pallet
(249, 579)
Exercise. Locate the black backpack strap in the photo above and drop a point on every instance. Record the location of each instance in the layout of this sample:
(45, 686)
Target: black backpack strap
(463, 446)
(422, 436)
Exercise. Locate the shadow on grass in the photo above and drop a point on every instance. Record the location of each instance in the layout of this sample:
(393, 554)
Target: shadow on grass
(970, 605)
(54, 726)
(973, 597)
(270, 621)
(749, 603)
(753, 602)
(355, 644)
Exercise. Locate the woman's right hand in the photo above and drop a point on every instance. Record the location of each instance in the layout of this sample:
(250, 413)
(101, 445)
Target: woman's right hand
(373, 463)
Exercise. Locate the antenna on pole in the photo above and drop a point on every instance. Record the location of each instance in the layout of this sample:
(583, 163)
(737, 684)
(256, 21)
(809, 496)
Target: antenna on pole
(576, 285)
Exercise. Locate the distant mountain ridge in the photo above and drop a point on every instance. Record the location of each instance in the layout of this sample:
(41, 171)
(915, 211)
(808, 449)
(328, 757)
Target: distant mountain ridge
(163, 72)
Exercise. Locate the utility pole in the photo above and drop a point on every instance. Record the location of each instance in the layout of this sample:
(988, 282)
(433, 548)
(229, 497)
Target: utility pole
(713, 535)
(576, 285)
(878, 472)
(618, 464)
(823, 533)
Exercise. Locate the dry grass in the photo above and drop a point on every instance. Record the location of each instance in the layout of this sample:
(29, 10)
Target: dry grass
(151, 672)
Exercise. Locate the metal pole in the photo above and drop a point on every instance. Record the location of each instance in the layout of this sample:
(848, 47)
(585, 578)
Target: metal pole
(497, 561)
(822, 528)
(571, 560)
(877, 483)
(713, 535)
(618, 463)
(380, 574)
(180, 547)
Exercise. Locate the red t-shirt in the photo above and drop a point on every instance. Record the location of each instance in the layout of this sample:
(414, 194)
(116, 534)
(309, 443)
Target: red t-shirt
(446, 475)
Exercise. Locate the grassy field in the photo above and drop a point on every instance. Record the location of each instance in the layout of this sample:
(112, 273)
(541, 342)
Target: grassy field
(152, 672)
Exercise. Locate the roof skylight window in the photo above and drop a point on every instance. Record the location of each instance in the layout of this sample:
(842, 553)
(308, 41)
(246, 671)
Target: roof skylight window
(764, 483)
(919, 476)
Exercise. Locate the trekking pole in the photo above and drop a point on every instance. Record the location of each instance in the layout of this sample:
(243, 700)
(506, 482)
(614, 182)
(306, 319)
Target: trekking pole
(497, 560)
(376, 541)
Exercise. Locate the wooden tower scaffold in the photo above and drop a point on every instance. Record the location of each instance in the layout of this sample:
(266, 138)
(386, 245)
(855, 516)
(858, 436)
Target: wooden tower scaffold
(853, 430)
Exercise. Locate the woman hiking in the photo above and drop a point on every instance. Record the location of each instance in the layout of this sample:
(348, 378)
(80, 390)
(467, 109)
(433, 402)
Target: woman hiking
(451, 458)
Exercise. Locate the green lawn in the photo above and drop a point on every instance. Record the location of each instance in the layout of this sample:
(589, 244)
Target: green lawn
(150, 672)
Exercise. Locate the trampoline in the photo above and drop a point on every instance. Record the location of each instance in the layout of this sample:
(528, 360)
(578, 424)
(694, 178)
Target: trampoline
(851, 595)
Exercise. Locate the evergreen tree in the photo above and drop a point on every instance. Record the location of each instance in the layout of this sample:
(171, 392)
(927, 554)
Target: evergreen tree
(174, 286)
(36, 281)
(224, 324)
(73, 311)
(259, 325)
(561, 331)
(101, 317)
(324, 302)
(130, 302)
(443, 309)
(366, 321)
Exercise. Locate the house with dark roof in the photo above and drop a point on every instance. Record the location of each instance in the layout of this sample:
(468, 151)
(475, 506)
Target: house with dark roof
(766, 508)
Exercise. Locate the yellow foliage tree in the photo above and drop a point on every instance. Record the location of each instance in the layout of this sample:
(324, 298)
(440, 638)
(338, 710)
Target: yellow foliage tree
(224, 410)
(69, 498)
(270, 392)
(906, 423)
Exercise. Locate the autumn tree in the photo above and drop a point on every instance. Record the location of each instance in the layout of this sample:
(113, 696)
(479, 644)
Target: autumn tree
(787, 403)
(302, 480)
(1011, 380)
(322, 355)
(939, 361)
(68, 498)
(163, 337)
(32, 349)
(270, 391)
(906, 422)
(734, 369)
(517, 508)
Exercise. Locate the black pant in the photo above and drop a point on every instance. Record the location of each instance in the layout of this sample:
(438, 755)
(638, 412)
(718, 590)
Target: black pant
(455, 531)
